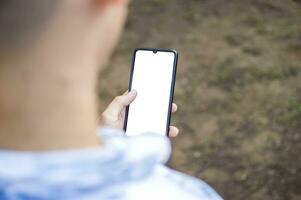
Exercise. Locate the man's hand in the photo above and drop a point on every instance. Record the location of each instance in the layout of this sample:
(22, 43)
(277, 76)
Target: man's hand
(115, 113)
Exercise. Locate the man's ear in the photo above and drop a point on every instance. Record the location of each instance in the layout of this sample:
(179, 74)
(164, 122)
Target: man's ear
(103, 3)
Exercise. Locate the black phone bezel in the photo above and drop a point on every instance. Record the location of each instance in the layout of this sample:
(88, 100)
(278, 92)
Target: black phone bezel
(172, 87)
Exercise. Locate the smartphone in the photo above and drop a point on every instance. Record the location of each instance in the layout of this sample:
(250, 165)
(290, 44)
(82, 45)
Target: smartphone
(153, 75)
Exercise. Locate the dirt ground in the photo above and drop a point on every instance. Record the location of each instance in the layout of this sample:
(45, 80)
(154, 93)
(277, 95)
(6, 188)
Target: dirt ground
(238, 89)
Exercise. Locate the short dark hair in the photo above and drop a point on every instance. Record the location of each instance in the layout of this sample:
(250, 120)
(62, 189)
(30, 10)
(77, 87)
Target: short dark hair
(21, 19)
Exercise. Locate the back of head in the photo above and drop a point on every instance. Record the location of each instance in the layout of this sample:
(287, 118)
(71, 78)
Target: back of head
(50, 54)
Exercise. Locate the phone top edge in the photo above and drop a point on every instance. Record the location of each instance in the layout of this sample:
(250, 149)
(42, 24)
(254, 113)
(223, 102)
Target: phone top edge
(157, 49)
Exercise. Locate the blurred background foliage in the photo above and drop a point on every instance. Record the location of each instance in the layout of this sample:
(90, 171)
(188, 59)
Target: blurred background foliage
(238, 89)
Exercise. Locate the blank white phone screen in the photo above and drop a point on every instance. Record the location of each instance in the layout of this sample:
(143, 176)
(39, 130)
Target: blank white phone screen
(152, 79)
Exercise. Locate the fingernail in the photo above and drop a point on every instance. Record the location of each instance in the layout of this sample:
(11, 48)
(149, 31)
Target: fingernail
(133, 92)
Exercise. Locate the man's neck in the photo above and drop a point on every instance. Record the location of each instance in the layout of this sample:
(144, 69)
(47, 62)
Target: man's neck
(47, 106)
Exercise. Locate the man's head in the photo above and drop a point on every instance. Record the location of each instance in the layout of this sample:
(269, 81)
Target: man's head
(50, 53)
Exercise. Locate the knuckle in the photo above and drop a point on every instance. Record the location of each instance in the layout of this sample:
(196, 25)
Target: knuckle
(104, 116)
(117, 99)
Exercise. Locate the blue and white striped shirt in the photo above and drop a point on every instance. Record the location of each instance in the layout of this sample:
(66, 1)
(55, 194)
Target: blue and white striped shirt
(125, 168)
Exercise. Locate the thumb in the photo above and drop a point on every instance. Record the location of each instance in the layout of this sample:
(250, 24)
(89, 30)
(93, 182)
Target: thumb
(125, 99)
(119, 103)
(128, 98)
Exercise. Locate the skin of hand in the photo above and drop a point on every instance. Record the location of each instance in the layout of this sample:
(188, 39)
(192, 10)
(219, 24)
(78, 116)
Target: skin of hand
(114, 114)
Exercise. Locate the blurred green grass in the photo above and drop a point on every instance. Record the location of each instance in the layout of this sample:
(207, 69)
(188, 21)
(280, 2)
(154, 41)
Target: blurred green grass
(238, 89)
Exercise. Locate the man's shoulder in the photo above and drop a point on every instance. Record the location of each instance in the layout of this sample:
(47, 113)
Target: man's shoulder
(124, 168)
